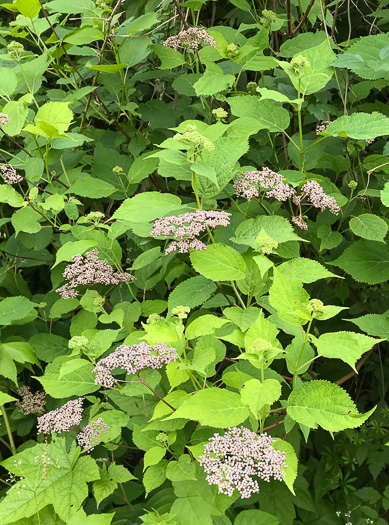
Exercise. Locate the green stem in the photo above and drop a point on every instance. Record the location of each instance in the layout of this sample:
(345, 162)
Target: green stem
(194, 186)
(238, 295)
(8, 428)
(301, 354)
(301, 149)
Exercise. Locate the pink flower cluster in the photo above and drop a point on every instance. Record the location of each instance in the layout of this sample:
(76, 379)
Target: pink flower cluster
(61, 419)
(314, 193)
(190, 39)
(89, 270)
(88, 437)
(10, 175)
(133, 359)
(234, 459)
(251, 183)
(4, 119)
(31, 403)
(187, 227)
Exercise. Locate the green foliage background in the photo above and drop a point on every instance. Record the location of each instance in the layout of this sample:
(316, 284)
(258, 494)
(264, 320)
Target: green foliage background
(94, 99)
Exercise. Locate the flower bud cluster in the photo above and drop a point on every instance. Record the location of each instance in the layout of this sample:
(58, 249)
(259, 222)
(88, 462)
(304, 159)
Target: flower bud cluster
(299, 63)
(220, 114)
(181, 311)
(89, 436)
(4, 119)
(232, 51)
(31, 403)
(267, 18)
(190, 38)
(233, 460)
(133, 359)
(249, 184)
(78, 341)
(15, 49)
(314, 193)
(187, 227)
(194, 139)
(61, 419)
(299, 222)
(88, 269)
(10, 175)
(315, 306)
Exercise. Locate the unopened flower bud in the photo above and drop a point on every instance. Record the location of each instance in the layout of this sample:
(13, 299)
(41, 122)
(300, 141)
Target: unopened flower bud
(315, 306)
(117, 170)
(220, 114)
(232, 51)
(181, 311)
(78, 341)
(266, 243)
(252, 87)
(15, 49)
(267, 18)
(154, 318)
(259, 345)
(352, 184)
(299, 63)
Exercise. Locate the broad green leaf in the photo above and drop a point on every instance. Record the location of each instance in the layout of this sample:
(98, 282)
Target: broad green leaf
(369, 226)
(242, 4)
(219, 263)
(212, 83)
(373, 324)
(288, 296)
(304, 270)
(134, 50)
(146, 258)
(9, 195)
(77, 381)
(84, 35)
(213, 407)
(56, 114)
(223, 160)
(192, 292)
(153, 456)
(14, 308)
(347, 346)
(183, 84)
(109, 479)
(155, 476)
(385, 195)
(256, 395)
(71, 248)
(8, 82)
(360, 126)
(67, 474)
(255, 517)
(276, 96)
(271, 495)
(204, 325)
(169, 57)
(111, 68)
(301, 42)
(321, 403)
(63, 6)
(17, 111)
(141, 23)
(329, 238)
(291, 461)
(147, 206)
(182, 470)
(33, 75)
(141, 168)
(92, 188)
(28, 8)
(365, 261)
(6, 398)
(26, 220)
(205, 171)
(197, 502)
(242, 318)
(261, 328)
(270, 115)
(80, 518)
(276, 227)
(48, 347)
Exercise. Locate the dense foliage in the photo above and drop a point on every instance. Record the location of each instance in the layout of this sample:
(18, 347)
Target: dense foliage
(193, 312)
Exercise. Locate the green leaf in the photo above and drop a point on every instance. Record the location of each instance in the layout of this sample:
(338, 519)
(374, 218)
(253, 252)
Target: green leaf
(84, 35)
(242, 318)
(321, 403)
(213, 407)
(9, 195)
(134, 50)
(373, 324)
(111, 68)
(291, 461)
(288, 296)
(26, 220)
(276, 227)
(256, 395)
(212, 83)
(146, 258)
(141, 168)
(80, 518)
(169, 57)
(181, 470)
(47, 347)
(347, 346)
(242, 4)
(155, 476)
(304, 270)
(192, 292)
(270, 115)
(77, 380)
(205, 171)
(5, 398)
(364, 57)
(329, 239)
(56, 114)
(8, 81)
(147, 206)
(255, 517)
(28, 8)
(71, 248)
(369, 226)
(92, 188)
(365, 261)
(63, 6)
(385, 195)
(17, 111)
(109, 479)
(153, 456)
(196, 501)
(204, 325)
(360, 126)
(219, 263)
(67, 474)
(223, 160)
(14, 308)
